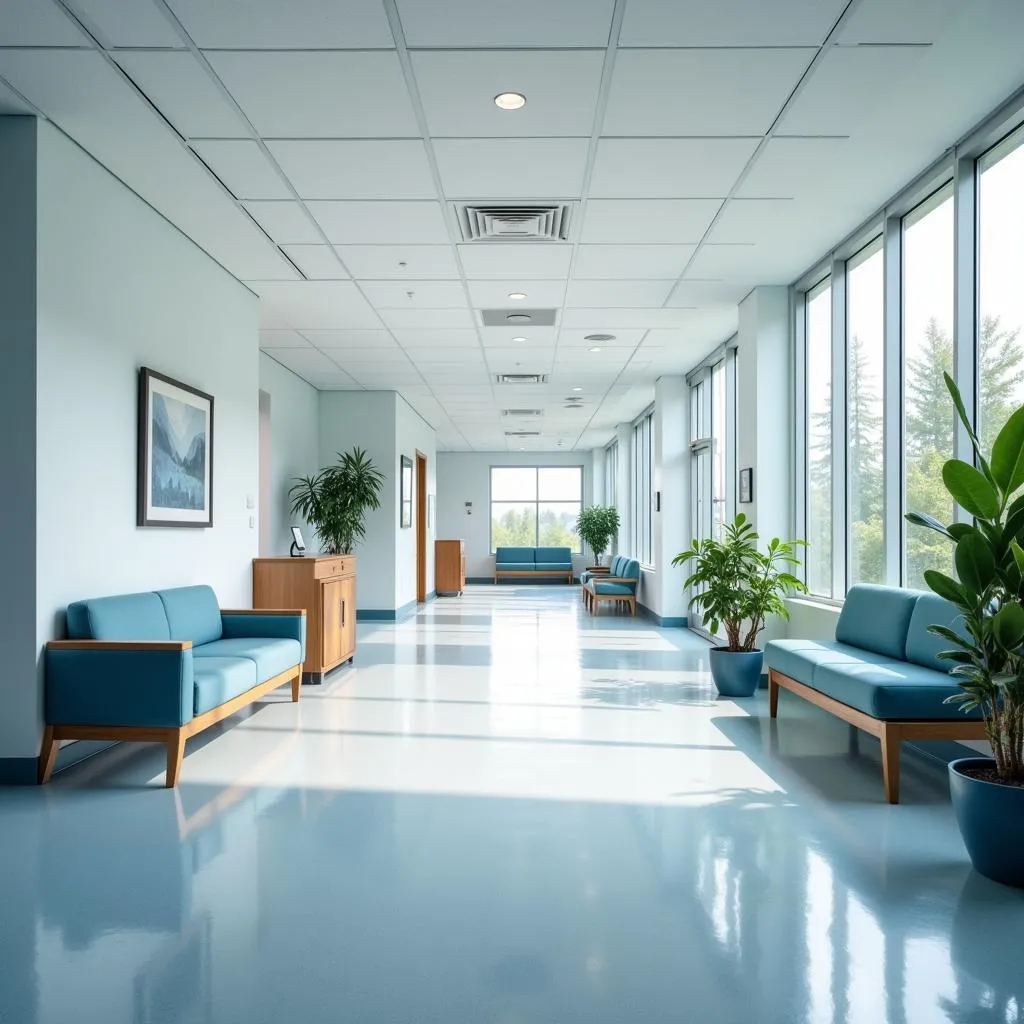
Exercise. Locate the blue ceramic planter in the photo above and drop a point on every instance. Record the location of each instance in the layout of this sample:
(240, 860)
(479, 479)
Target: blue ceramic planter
(736, 673)
(991, 820)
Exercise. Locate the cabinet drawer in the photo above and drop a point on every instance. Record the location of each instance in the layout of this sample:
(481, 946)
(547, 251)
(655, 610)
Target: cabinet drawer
(326, 567)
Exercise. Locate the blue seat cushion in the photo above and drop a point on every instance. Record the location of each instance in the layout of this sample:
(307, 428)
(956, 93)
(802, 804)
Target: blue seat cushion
(270, 656)
(124, 617)
(553, 555)
(890, 690)
(217, 680)
(503, 555)
(876, 618)
(618, 589)
(516, 566)
(192, 613)
(923, 647)
(553, 566)
(799, 658)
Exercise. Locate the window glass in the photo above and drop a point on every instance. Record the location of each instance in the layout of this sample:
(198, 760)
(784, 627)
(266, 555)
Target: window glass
(642, 470)
(819, 440)
(535, 506)
(864, 398)
(928, 353)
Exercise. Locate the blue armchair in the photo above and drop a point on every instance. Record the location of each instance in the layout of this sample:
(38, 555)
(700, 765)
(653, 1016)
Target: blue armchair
(619, 585)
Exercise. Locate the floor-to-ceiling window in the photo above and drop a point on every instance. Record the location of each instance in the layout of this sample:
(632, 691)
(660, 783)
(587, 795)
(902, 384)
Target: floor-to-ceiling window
(818, 334)
(611, 474)
(642, 469)
(535, 506)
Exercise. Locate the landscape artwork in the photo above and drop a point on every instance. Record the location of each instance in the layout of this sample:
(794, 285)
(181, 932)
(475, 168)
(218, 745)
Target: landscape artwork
(175, 453)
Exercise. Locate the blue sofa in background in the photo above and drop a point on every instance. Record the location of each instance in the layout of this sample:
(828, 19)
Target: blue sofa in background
(533, 562)
(882, 672)
(619, 585)
(162, 666)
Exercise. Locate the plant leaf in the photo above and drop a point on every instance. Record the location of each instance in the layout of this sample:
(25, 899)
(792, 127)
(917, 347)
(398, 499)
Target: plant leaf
(961, 411)
(970, 489)
(1008, 626)
(946, 587)
(975, 563)
(1008, 454)
(929, 522)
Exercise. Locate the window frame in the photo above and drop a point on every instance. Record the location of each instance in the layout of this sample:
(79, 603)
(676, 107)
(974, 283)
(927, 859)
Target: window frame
(536, 502)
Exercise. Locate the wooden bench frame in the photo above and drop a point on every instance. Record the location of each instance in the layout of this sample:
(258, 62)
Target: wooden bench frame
(172, 737)
(592, 599)
(532, 572)
(890, 734)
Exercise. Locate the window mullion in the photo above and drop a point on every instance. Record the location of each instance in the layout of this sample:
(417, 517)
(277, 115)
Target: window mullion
(892, 404)
(839, 436)
(965, 305)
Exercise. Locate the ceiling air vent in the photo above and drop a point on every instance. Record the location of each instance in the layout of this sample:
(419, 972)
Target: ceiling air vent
(522, 433)
(522, 378)
(513, 222)
(522, 412)
(513, 317)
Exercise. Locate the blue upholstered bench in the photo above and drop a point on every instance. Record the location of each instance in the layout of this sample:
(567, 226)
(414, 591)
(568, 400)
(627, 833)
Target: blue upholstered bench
(162, 666)
(882, 672)
(619, 585)
(533, 562)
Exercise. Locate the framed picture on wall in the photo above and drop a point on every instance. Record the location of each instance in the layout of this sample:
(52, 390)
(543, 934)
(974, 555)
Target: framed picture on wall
(175, 453)
(746, 494)
(405, 505)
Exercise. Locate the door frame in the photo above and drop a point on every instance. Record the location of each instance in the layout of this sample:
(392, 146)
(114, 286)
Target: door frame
(421, 527)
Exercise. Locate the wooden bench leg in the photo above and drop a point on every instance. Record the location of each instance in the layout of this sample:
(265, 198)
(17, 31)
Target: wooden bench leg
(47, 755)
(773, 695)
(297, 686)
(890, 739)
(175, 752)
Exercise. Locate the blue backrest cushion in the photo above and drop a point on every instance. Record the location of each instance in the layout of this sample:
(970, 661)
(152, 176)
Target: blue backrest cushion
(515, 555)
(616, 566)
(876, 618)
(553, 554)
(124, 617)
(923, 647)
(630, 569)
(192, 613)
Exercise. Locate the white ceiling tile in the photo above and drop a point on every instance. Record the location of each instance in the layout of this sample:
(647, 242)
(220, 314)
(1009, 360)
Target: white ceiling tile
(427, 319)
(457, 356)
(119, 24)
(387, 380)
(317, 262)
(415, 294)
(631, 261)
(185, 94)
(617, 293)
(458, 90)
(243, 167)
(729, 22)
(306, 362)
(527, 23)
(494, 294)
(300, 95)
(522, 260)
(370, 223)
(741, 91)
(399, 262)
(284, 221)
(689, 293)
(37, 23)
(511, 169)
(296, 25)
(647, 220)
(324, 169)
(751, 264)
(787, 167)
(282, 339)
(576, 338)
(502, 336)
(251, 258)
(899, 21)
(668, 168)
(365, 342)
(416, 337)
(323, 305)
(753, 220)
(10, 103)
(600, 319)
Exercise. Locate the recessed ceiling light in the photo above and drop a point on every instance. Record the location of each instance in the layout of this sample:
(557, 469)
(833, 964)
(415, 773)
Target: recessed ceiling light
(577, 389)
(522, 449)
(596, 348)
(510, 100)
(518, 296)
(599, 337)
(519, 339)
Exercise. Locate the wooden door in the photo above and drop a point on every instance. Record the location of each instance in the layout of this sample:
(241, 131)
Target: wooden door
(332, 628)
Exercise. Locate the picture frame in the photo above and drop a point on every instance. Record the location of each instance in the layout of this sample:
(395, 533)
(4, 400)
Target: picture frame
(175, 453)
(746, 487)
(405, 502)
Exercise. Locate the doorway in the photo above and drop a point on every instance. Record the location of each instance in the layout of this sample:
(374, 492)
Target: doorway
(421, 527)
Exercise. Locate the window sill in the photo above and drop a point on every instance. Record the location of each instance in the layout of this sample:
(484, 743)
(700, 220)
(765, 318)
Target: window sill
(820, 603)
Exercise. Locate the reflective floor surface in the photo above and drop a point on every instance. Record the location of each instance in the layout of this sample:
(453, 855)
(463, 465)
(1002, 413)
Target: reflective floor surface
(507, 812)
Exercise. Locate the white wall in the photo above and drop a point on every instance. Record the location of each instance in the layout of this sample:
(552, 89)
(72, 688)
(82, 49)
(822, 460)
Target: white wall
(466, 476)
(119, 288)
(413, 435)
(294, 451)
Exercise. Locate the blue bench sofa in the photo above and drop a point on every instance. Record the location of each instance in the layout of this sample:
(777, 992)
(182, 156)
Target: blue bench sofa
(882, 672)
(619, 585)
(533, 562)
(162, 666)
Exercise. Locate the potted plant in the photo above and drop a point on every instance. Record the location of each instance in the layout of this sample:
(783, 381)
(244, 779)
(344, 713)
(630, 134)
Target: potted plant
(335, 501)
(736, 587)
(988, 652)
(596, 526)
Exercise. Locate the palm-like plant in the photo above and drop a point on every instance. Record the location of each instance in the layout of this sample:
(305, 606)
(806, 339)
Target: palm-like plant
(987, 657)
(736, 585)
(335, 500)
(596, 526)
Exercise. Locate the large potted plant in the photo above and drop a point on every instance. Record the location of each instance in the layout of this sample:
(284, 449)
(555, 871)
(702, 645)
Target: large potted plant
(595, 526)
(736, 586)
(988, 650)
(335, 500)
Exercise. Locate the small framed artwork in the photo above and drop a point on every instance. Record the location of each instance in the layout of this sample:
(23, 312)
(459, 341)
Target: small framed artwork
(175, 456)
(746, 494)
(405, 506)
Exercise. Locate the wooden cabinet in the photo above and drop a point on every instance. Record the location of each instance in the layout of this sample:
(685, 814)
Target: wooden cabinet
(325, 585)
(449, 566)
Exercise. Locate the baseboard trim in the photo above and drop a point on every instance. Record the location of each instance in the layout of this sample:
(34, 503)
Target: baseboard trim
(432, 596)
(667, 621)
(388, 614)
(24, 771)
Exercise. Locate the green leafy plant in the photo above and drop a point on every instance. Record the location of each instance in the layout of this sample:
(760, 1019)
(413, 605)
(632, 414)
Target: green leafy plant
(736, 585)
(335, 500)
(987, 657)
(596, 526)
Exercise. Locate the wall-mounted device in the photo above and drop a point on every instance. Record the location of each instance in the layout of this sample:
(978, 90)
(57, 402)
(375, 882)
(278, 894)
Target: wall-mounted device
(298, 548)
(469, 508)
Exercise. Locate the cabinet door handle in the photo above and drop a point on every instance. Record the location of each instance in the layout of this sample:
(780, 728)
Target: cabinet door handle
(342, 614)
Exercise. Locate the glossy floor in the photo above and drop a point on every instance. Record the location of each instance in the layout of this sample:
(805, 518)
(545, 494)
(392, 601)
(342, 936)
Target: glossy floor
(508, 812)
